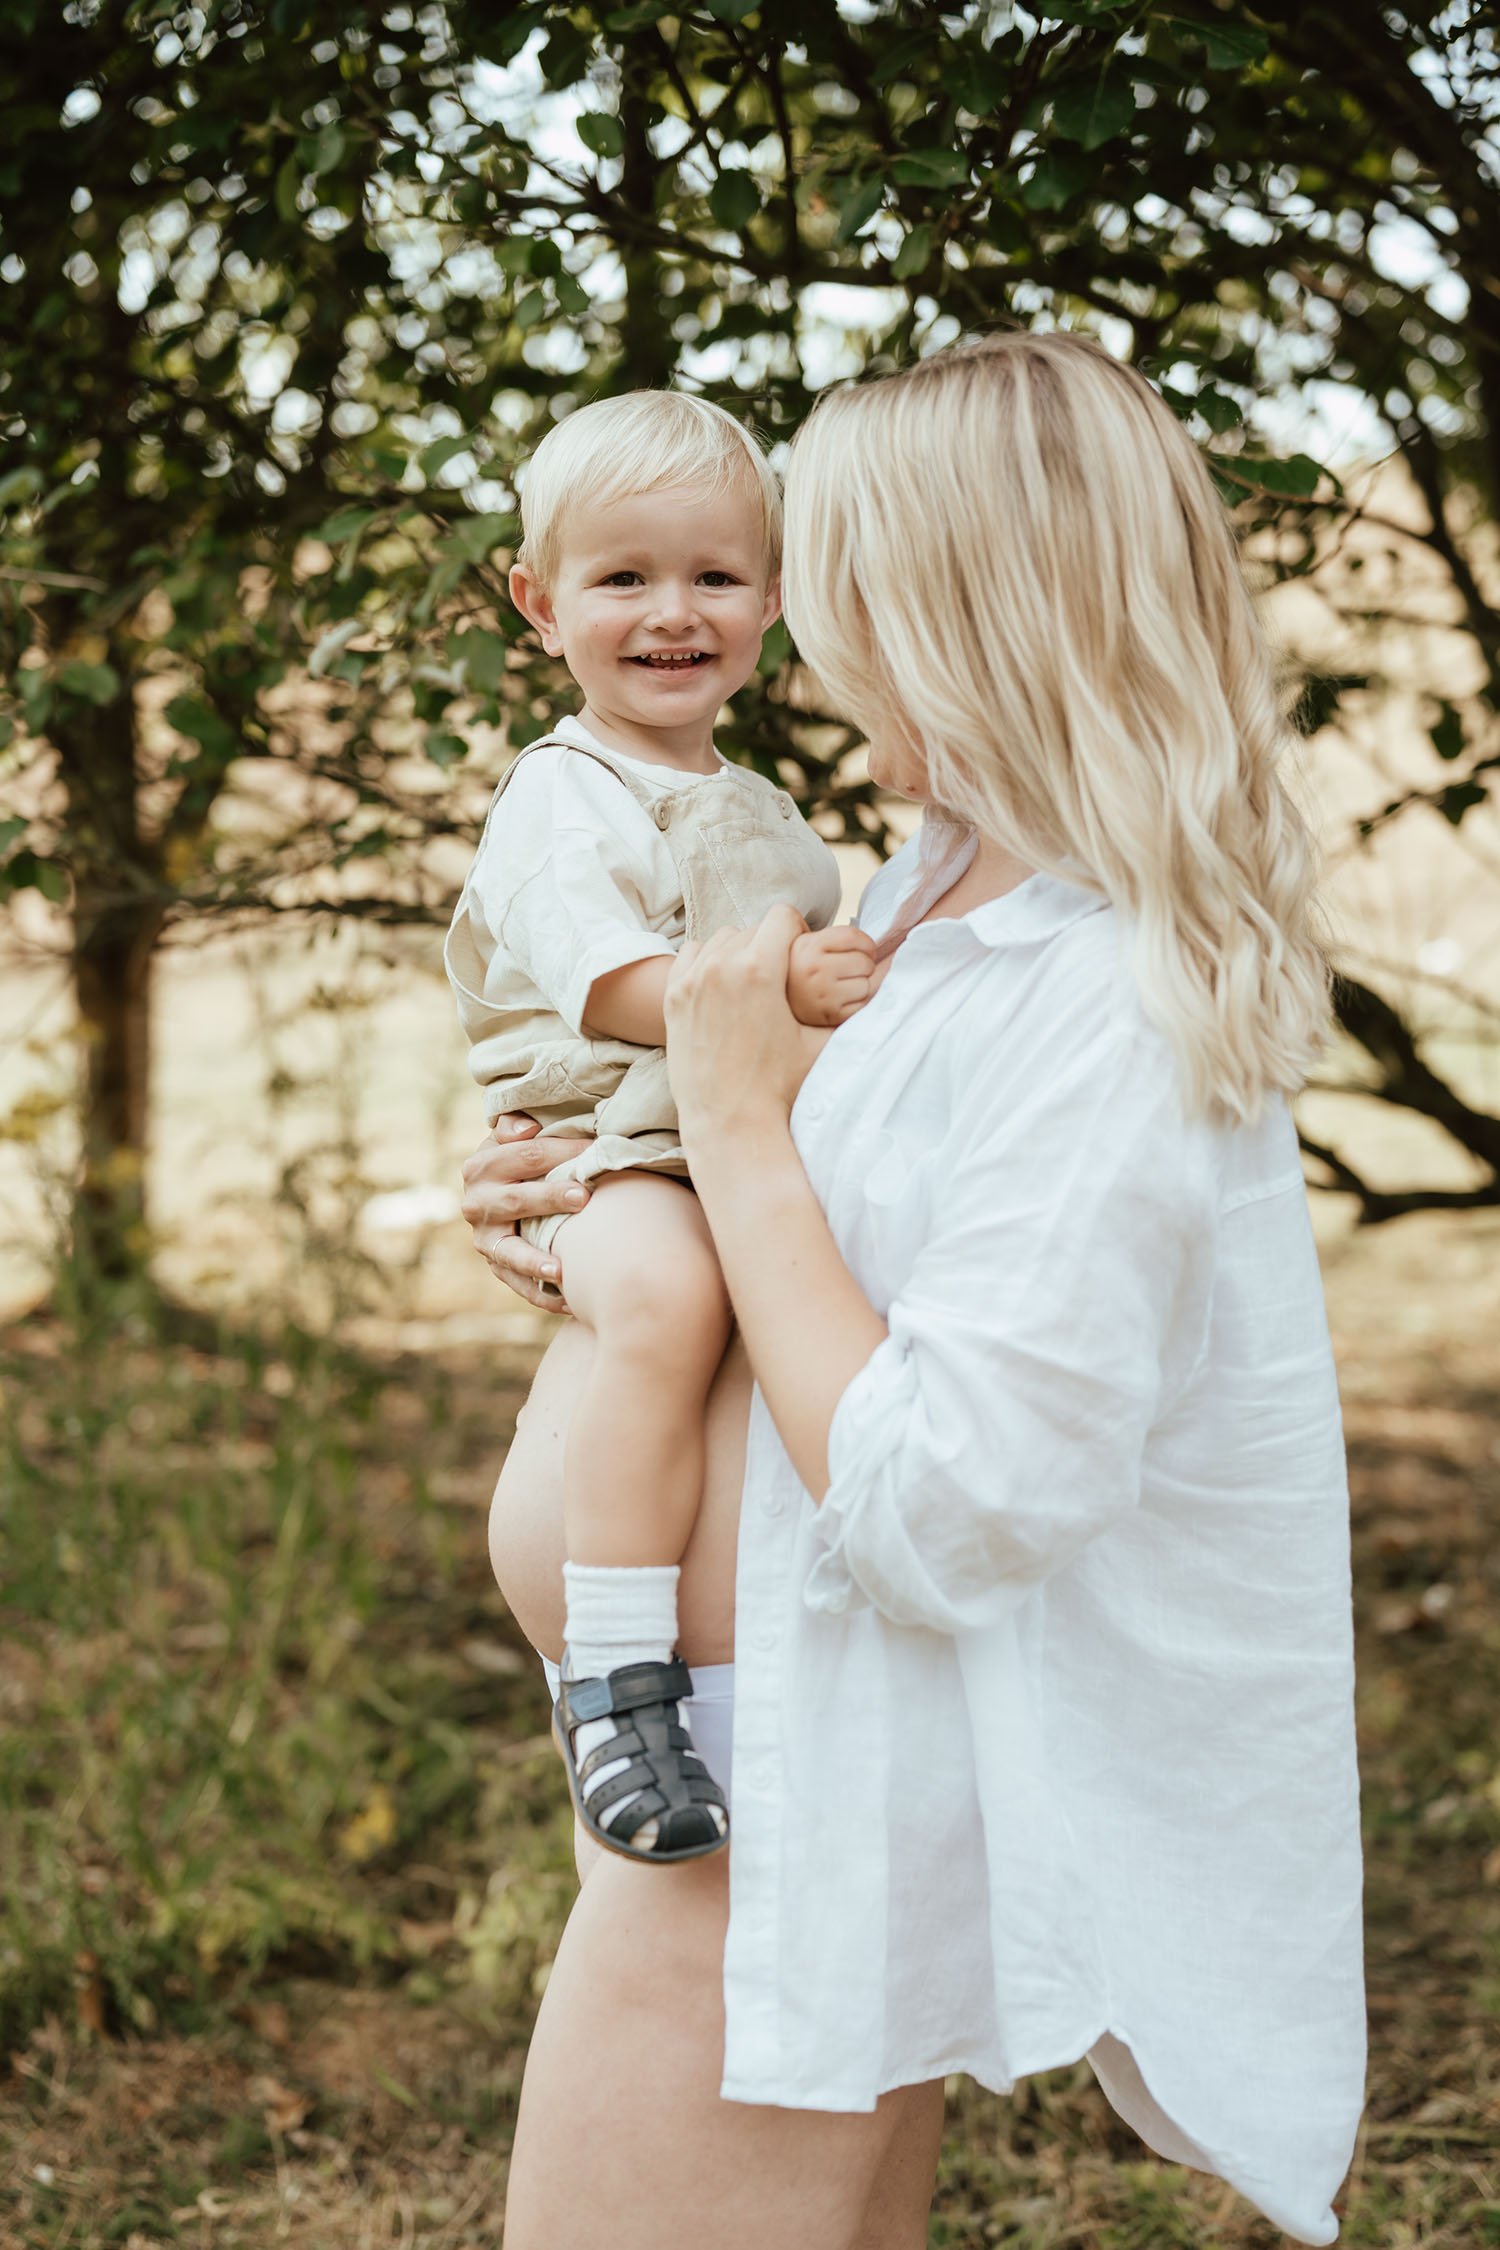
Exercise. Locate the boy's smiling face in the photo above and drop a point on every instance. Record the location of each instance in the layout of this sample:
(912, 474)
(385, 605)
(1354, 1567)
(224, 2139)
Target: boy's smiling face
(658, 608)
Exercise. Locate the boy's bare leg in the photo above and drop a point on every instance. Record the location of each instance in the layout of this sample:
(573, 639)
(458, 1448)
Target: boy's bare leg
(640, 1274)
(642, 1280)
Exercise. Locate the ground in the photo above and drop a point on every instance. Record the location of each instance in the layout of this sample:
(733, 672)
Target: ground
(237, 2024)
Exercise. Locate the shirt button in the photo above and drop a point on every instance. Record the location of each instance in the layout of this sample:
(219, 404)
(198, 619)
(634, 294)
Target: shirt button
(762, 1778)
(786, 807)
(774, 1504)
(765, 1638)
(837, 1602)
(661, 812)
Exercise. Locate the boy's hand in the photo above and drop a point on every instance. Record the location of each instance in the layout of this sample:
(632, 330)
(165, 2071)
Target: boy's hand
(829, 975)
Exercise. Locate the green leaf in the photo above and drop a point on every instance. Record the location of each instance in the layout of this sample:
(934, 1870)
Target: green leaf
(52, 880)
(730, 11)
(482, 656)
(734, 199)
(477, 537)
(327, 149)
(11, 829)
(774, 649)
(602, 133)
(571, 295)
(913, 254)
(1296, 478)
(1059, 174)
(20, 484)
(345, 522)
(201, 723)
(1218, 409)
(1230, 46)
(436, 456)
(288, 182)
(445, 749)
(858, 207)
(92, 683)
(931, 167)
(1095, 111)
(531, 309)
(1448, 734)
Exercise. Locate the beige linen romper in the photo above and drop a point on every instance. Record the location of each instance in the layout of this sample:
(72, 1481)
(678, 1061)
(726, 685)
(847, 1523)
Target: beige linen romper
(740, 847)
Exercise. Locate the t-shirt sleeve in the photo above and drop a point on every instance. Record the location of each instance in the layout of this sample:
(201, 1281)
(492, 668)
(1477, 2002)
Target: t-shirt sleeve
(570, 877)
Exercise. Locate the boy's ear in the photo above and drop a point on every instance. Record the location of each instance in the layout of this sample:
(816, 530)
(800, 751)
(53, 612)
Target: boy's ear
(772, 609)
(535, 604)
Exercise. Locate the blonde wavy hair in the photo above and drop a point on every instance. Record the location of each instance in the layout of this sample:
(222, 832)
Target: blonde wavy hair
(1011, 557)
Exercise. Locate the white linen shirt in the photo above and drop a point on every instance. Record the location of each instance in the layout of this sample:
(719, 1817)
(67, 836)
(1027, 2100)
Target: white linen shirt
(1043, 1738)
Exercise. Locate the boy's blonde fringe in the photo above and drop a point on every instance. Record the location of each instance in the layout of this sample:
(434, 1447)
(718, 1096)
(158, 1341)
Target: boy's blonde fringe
(639, 441)
(1011, 557)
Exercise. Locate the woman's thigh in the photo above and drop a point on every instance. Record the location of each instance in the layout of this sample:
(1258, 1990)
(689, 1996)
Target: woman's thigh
(526, 1533)
(623, 2142)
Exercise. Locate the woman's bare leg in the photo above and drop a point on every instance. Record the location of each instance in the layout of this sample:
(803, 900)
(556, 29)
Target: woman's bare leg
(623, 2142)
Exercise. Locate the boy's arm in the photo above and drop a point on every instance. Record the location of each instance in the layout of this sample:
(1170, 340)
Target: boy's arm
(627, 1003)
(829, 976)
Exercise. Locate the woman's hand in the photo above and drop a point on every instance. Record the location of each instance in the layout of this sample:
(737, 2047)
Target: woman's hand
(736, 1054)
(503, 1184)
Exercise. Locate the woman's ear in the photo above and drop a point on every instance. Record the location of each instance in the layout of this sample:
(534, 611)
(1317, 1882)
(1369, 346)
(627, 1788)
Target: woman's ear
(772, 610)
(535, 604)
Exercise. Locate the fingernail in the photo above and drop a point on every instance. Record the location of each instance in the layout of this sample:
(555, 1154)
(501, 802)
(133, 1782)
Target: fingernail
(576, 1195)
(552, 1273)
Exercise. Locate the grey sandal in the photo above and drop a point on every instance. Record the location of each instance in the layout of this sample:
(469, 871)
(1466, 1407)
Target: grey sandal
(667, 1779)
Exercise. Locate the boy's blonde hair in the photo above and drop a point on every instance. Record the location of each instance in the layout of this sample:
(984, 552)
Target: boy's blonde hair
(1011, 556)
(641, 441)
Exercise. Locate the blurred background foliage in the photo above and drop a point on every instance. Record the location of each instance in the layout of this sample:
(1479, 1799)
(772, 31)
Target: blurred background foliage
(288, 291)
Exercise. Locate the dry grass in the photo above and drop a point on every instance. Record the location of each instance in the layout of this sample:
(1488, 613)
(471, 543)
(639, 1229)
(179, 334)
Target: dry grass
(284, 2095)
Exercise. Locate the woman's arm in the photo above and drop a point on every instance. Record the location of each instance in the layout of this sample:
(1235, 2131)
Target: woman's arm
(737, 1056)
(968, 1445)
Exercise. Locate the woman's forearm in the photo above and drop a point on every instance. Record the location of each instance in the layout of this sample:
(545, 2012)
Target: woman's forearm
(808, 1326)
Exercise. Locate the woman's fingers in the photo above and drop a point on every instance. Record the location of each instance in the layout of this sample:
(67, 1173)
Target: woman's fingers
(533, 1274)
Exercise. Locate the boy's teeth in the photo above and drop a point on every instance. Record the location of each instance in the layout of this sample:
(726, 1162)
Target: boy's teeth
(672, 663)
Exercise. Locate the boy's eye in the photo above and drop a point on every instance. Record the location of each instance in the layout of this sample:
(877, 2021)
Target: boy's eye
(622, 578)
(718, 578)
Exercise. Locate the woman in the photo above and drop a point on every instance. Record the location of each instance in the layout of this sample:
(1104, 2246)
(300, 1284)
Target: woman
(1038, 1604)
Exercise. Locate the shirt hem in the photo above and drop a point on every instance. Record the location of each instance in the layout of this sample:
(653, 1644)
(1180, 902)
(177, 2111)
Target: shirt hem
(822, 2097)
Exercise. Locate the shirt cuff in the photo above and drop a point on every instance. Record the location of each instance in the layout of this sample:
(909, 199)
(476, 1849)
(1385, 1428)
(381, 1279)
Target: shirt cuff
(859, 1439)
(618, 949)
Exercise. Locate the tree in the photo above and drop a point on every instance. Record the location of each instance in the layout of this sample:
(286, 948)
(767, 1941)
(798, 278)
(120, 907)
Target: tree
(293, 288)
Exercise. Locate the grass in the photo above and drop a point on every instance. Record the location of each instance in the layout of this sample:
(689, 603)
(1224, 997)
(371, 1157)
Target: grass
(284, 1852)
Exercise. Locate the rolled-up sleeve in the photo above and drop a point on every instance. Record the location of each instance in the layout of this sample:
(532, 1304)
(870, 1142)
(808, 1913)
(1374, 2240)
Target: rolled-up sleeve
(1060, 1303)
(570, 877)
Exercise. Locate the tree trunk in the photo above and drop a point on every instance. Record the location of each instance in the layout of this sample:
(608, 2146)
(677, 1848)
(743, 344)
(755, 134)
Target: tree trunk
(118, 916)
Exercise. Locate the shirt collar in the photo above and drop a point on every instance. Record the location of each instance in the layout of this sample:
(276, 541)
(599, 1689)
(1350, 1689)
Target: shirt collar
(1037, 909)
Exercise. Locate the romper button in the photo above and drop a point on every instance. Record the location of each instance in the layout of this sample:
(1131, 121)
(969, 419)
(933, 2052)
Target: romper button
(661, 811)
(786, 807)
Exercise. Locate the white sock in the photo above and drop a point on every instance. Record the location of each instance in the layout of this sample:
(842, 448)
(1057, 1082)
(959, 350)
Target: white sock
(617, 1614)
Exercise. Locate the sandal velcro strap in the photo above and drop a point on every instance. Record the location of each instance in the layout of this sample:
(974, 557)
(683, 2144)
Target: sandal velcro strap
(624, 1690)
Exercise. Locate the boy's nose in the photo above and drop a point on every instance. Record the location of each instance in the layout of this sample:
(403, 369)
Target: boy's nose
(673, 609)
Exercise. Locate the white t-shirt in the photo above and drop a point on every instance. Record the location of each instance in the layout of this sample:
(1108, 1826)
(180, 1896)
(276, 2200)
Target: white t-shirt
(573, 879)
